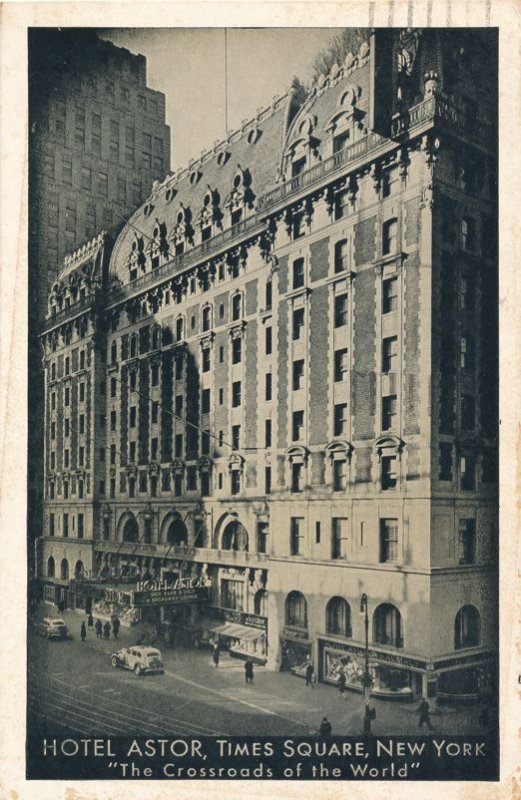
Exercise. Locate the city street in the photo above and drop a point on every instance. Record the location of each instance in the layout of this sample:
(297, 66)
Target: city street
(74, 689)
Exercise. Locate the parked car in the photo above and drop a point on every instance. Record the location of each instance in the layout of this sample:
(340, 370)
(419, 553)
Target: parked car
(140, 659)
(53, 628)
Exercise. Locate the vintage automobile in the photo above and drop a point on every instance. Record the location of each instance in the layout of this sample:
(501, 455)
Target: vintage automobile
(53, 628)
(140, 659)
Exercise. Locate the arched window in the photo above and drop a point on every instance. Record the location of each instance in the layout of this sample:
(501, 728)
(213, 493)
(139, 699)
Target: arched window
(387, 625)
(467, 628)
(235, 537)
(79, 569)
(390, 237)
(296, 610)
(50, 567)
(131, 530)
(64, 570)
(207, 318)
(260, 602)
(236, 306)
(177, 534)
(338, 617)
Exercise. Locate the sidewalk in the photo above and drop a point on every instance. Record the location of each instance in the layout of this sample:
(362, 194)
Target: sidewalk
(287, 696)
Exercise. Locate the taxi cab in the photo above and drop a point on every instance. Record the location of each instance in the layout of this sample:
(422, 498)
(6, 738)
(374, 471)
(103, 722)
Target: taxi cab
(139, 659)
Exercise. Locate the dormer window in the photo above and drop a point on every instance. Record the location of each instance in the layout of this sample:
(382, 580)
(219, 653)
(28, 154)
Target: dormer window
(236, 216)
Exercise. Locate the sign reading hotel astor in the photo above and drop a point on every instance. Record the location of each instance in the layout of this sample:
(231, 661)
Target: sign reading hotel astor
(161, 592)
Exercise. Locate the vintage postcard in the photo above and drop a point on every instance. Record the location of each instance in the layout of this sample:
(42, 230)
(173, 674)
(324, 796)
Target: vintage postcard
(264, 413)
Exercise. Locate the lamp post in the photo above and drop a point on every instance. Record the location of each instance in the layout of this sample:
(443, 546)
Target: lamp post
(367, 681)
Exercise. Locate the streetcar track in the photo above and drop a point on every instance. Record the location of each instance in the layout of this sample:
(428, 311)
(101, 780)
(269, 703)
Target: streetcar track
(83, 717)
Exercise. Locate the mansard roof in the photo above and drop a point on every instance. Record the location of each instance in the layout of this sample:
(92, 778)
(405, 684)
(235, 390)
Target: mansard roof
(257, 149)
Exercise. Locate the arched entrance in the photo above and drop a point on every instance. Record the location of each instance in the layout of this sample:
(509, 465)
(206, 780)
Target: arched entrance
(235, 537)
(131, 530)
(177, 533)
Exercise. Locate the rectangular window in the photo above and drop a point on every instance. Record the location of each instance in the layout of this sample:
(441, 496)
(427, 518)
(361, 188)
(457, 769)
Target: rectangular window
(298, 322)
(86, 178)
(235, 481)
(445, 461)
(389, 408)
(339, 475)
(65, 525)
(143, 482)
(268, 386)
(340, 364)
(132, 452)
(179, 405)
(53, 430)
(298, 166)
(236, 216)
(389, 354)
(205, 442)
(67, 427)
(67, 396)
(155, 374)
(468, 472)
(165, 480)
(269, 294)
(339, 537)
(82, 392)
(155, 412)
(154, 448)
(468, 412)
(340, 419)
(236, 436)
(133, 416)
(221, 397)
(236, 394)
(341, 205)
(80, 488)
(296, 536)
(340, 310)
(205, 401)
(236, 351)
(467, 353)
(467, 541)
(102, 454)
(53, 460)
(66, 489)
(297, 477)
(298, 374)
(51, 524)
(267, 433)
(178, 445)
(103, 184)
(67, 171)
(389, 295)
(268, 344)
(81, 456)
(297, 428)
(298, 273)
(388, 472)
(232, 594)
(388, 541)
(112, 420)
(205, 484)
(262, 537)
(267, 480)
(340, 141)
(341, 256)
(81, 526)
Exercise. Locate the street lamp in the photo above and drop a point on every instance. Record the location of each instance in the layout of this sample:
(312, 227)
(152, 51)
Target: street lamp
(367, 680)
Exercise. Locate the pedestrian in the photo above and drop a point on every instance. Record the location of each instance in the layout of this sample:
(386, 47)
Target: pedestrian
(106, 630)
(115, 627)
(342, 683)
(99, 629)
(90, 621)
(248, 671)
(83, 632)
(215, 654)
(325, 728)
(310, 672)
(423, 710)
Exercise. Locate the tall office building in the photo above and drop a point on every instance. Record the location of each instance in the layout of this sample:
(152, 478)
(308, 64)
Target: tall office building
(277, 391)
(97, 141)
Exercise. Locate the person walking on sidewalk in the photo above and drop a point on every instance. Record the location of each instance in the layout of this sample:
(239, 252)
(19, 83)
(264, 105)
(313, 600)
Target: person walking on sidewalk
(325, 729)
(106, 630)
(423, 710)
(115, 627)
(215, 654)
(90, 621)
(99, 629)
(83, 632)
(310, 673)
(248, 671)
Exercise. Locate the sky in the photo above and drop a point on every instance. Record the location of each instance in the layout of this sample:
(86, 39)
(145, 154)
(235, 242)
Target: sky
(188, 65)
